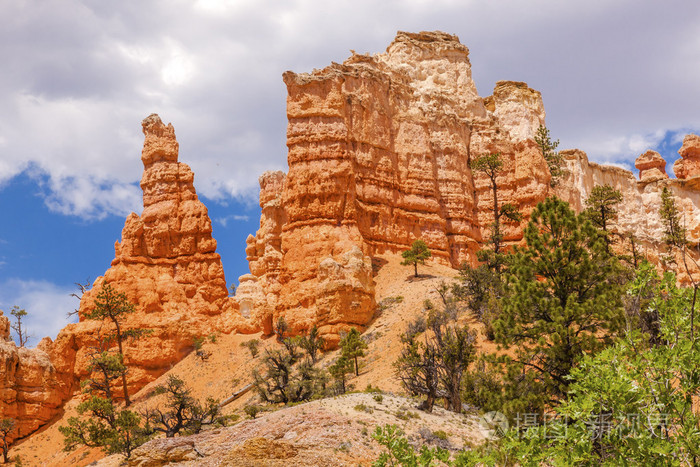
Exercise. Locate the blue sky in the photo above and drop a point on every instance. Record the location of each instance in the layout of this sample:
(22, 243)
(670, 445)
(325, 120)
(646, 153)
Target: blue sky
(617, 77)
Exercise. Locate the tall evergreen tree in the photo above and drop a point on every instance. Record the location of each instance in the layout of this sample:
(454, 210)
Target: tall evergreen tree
(674, 232)
(114, 306)
(491, 165)
(548, 148)
(564, 300)
(601, 208)
(353, 347)
(675, 237)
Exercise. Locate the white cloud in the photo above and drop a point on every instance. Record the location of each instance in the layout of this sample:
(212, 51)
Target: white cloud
(225, 220)
(81, 75)
(47, 305)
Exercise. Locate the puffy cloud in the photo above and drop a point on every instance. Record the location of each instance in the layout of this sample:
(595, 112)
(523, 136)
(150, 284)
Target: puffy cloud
(79, 76)
(47, 305)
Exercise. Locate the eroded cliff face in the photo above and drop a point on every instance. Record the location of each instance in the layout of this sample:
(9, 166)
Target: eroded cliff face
(638, 213)
(31, 390)
(379, 151)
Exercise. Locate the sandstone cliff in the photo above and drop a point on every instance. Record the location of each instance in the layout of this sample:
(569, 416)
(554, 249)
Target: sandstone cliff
(30, 389)
(379, 151)
(639, 209)
(166, 264)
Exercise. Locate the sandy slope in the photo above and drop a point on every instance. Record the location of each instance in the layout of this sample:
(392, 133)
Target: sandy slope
(228, 369)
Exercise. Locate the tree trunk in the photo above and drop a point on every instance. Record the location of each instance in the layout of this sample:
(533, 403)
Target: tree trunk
(357, 368)
(427, 405)
(127, 401)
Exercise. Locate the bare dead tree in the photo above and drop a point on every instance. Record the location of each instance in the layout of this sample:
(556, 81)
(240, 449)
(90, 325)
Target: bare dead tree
(83, 288)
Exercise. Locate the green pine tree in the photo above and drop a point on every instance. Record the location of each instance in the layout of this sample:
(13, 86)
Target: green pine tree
(601, 208)
(7, 426)
(491, 165)
(312, 342)
(114, 306)
(548, 149)
(101, 423)
(339, 371)
(353, 347)
(564, 301)
(675, 237)
(418, 253)
(182, 411)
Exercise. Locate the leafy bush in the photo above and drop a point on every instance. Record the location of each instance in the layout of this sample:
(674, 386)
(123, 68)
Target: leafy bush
(252, 410)
(400, 452)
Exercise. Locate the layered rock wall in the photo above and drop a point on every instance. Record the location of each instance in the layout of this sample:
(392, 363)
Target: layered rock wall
(638, 213)
(379, 151)
(31, 390)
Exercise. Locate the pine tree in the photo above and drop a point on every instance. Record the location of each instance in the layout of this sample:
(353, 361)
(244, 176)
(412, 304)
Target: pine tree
(275, 384)
(182, 412)
(564, 300)
(548, 149)
(675, 237)
(339, 371)
(601, 208)
(101, 424)
(19, 315)
(312, 343)
(353, 347)
(417, 369)
(491, 165)
(115, 431)
(435, 366)
(114, 306)
(7, 426)
(418, 253)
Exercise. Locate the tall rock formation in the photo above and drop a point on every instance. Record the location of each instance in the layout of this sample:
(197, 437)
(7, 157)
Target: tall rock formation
(166, 264)
(652, 166)
(688, 166)
(379, 151)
